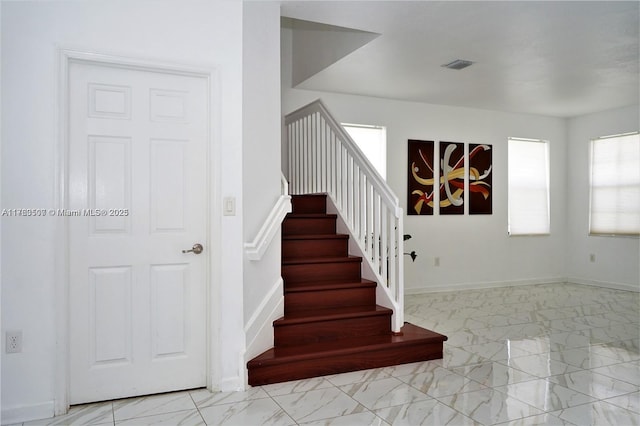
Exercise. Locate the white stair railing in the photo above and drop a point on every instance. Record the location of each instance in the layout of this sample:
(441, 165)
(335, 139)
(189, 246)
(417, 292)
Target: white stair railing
(324, 159)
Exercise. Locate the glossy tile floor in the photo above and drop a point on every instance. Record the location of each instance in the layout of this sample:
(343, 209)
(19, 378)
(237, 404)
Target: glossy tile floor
(556, 354)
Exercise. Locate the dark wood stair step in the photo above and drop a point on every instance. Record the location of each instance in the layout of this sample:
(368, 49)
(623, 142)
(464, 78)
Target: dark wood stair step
(321, 269)
(315, 245)
(312, 223)
(307, 327)
(358, 353)
(312, 296)
(309, 203)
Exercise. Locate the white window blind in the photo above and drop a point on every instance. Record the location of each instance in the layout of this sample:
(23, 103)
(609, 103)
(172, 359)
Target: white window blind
(372, 141)
(615, 185)
(528, 187)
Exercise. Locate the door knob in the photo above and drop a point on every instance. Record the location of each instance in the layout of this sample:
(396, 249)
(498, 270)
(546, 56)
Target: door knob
(196, 249)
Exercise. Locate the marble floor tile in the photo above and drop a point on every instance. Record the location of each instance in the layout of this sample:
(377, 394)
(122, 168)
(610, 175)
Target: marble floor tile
(494, 374)
(568, 340)
(358, 376)
(489, 407)
(599, 413)
(86, 414)
(177, 418)
(582, 358)
(429, 413)
(627, 372)
(546, 419)
(383, 393)
(630, 401)
(464, 338)
(204, 397)
(545, 395)
(594, 384)
(151, 405)
(412, 368)
(256, 412)
(540, 365)
(318, 404)
(297, 386)
(620, 351)
(456, 357)
(441, 382)
(495, 351)
(360, 419)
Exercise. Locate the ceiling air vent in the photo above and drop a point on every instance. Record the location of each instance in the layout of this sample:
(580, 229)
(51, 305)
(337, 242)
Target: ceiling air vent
(458, 64)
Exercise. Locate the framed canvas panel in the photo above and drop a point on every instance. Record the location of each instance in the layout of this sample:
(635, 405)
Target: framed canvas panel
(452, 171)
(420, 177)
(480, 178)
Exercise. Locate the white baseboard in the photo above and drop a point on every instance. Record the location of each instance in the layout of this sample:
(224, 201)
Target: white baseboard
(232, 384)
(480, 285)
(25, 413)
(605, 284)
(259, 328)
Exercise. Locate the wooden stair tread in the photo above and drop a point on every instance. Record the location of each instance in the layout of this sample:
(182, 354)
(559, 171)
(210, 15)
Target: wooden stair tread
(410, 334)
(331, 314)
(315, 237)
(320, 286)
(327, 259)
(310, 215)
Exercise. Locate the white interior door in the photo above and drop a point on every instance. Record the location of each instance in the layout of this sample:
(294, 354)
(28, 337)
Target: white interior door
(137, 194)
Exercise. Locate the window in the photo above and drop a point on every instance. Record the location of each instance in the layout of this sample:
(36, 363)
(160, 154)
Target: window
(615, 185)
(372, 141)
(528, 190)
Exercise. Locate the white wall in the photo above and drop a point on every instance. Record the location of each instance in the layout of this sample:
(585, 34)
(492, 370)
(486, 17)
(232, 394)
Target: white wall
(473, 250)
(617, 259)
(200, 33)
(261, 167)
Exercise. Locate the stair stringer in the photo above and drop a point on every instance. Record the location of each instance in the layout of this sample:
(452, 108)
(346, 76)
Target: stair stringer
(259, 328)
(383, 296)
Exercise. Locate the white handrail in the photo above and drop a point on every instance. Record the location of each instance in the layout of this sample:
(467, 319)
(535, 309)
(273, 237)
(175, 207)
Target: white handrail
(256, 248)
(324, 159)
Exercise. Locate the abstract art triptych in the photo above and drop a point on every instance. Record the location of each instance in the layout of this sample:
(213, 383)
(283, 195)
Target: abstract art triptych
(451, 173)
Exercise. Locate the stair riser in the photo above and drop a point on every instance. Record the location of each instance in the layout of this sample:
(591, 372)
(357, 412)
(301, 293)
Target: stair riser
(327, 364)
(309, 204)
(309, 225)
(296, 249)
(314, 332)
(308, 300)
(321, 272)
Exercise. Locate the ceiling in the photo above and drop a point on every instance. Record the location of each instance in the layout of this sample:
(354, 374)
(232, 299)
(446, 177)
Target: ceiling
(559, 59)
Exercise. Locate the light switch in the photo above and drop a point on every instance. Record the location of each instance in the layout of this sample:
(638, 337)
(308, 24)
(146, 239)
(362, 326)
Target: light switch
(229, 206)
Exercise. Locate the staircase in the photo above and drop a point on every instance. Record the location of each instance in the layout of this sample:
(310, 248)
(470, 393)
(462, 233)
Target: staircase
(331, 322)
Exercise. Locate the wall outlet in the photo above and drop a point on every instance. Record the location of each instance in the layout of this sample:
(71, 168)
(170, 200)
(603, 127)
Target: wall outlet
(436, 261)
(14, 342)
(592, 258)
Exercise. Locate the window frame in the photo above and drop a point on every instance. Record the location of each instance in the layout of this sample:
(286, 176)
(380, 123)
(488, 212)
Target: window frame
(383, 151)
(547, 160)
(590, 231)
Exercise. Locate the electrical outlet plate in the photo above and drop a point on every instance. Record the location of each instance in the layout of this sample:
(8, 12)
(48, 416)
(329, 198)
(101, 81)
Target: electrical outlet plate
(14, 342)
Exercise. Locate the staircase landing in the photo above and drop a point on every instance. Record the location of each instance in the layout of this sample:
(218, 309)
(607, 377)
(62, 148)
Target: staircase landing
(331, 323)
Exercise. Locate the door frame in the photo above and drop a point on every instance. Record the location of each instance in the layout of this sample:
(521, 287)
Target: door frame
(65, 58)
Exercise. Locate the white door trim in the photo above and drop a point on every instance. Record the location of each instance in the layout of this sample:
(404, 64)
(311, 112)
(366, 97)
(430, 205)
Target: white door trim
(65, 58)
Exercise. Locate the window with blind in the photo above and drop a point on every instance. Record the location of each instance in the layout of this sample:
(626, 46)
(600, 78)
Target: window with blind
(528, 187)
(615, 185)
